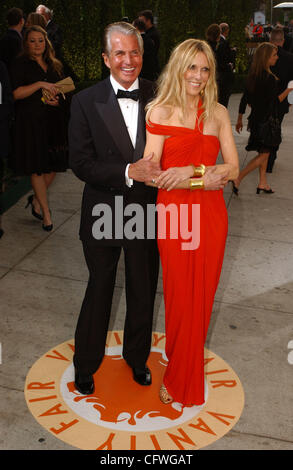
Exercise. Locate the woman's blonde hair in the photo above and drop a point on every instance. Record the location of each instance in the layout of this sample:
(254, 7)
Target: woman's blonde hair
(171, 86)
(260, 63)
(49, 53)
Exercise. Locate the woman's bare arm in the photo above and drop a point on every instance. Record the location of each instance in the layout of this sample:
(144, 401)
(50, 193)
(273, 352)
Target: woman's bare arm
(27, 90)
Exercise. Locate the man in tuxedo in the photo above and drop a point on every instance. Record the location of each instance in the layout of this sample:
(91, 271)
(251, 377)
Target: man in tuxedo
(226, 64)
(283, 69)
(53, 30)
(106, 144)
(11, 42)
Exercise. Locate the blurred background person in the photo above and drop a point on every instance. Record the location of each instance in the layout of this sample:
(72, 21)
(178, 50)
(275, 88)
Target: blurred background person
(54, 32)
(226, 65)
(40, 129)
(147, 17)
(283, 69)
(6, 113)
(35, 19)
(213, 36)
(11, 42)
(150, 65)
(262, 95)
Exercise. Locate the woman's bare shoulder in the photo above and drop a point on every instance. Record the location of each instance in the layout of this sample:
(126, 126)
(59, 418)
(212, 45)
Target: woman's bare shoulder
(160, 114)
(221, 111)
(221, 114)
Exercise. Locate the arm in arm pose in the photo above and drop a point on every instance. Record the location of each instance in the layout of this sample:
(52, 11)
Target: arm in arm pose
(216, 176)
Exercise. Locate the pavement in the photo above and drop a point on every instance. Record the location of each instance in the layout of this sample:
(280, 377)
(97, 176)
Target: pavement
(43, 277)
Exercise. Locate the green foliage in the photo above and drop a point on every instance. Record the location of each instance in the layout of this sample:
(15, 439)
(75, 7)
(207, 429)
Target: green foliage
(83, 22)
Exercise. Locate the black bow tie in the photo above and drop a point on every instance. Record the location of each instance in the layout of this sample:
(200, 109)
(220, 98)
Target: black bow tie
(132, 95)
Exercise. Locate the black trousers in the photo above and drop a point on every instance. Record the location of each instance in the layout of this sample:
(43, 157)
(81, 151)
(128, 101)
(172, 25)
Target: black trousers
(141, 276)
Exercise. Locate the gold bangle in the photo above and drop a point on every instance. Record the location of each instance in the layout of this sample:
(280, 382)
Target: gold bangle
(196, 184)
(199, 170)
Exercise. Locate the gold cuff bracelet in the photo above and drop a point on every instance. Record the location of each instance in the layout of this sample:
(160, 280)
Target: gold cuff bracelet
(195, 183)
(199, 170)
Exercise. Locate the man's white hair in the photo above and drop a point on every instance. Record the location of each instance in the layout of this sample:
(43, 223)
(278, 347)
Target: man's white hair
(46, 9)
(122, 28)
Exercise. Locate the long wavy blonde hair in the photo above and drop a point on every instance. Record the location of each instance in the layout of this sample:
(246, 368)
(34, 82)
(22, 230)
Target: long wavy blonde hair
(171, 87)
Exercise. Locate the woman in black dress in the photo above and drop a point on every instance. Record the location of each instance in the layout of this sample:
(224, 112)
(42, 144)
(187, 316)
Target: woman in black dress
(40, 130)
(262, 95)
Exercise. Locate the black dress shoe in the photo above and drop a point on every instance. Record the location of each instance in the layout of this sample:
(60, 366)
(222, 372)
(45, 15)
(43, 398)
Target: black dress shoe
(84, 383)
(142, 376)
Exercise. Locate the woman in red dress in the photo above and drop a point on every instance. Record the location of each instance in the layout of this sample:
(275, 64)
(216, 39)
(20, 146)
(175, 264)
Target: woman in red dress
(186, 128)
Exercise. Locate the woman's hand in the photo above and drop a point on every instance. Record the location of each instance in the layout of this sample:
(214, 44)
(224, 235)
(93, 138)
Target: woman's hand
(171, 177)
(50, 87)
(53, 101)
(213, 180)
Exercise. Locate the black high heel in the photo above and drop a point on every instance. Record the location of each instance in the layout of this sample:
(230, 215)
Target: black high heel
(267, 191)
(30, 203)
(47, 228)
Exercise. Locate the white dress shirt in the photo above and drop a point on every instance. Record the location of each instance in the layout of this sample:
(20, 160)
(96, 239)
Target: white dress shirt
(129, 110)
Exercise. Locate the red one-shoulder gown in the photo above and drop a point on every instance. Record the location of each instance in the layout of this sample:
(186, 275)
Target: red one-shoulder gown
(190, 276)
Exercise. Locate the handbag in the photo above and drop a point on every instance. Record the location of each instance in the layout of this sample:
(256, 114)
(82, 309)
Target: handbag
(65, 86)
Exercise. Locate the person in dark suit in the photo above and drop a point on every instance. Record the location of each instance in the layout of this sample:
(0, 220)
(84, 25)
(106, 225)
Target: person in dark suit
(11, 42)
(150, 65)
(288, 40)
(53, 30)
(226, 61)
(106, 143)
(6, 114)
(283, 69)
(151, 31)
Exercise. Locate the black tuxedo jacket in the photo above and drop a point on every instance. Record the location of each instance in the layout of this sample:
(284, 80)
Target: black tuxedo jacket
(56, 37)
(225, 57)
(99, 151)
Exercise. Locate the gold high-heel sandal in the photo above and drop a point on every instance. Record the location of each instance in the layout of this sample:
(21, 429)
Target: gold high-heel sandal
(164, 395)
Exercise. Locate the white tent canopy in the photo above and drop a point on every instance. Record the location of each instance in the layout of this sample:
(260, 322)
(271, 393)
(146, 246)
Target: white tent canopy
(284, 5)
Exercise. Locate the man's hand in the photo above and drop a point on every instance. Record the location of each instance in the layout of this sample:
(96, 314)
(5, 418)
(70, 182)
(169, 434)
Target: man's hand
(214, 181)
(173, 176)
(144, 170)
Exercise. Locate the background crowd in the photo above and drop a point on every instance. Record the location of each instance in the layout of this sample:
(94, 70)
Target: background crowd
(33, 133)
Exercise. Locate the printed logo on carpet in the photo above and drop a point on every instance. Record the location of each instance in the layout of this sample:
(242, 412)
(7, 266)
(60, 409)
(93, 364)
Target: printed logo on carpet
(122, 415)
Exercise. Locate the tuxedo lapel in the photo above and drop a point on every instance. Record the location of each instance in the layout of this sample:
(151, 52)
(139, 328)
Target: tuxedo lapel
(141, 133)
(109, 110)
